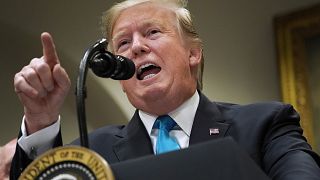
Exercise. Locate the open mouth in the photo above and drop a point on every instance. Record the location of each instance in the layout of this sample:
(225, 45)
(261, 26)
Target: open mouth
(147, 71)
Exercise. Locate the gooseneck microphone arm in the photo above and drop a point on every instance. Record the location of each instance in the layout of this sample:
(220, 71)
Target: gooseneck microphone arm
(103, 64)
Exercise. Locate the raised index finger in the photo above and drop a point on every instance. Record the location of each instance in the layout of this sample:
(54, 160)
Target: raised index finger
(49, 50)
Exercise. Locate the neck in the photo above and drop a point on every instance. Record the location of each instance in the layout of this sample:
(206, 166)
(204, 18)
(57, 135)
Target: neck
(165, 105)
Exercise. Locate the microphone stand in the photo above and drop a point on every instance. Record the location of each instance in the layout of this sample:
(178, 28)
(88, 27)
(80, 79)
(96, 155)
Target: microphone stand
(81, 92)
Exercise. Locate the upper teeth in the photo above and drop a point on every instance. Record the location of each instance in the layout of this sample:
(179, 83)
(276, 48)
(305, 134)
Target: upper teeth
(144, 66)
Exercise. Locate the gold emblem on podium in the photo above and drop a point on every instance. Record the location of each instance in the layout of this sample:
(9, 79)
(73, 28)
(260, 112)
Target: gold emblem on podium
(68, 163)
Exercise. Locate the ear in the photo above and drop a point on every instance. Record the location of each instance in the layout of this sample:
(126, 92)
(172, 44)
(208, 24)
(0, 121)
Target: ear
(195, 56)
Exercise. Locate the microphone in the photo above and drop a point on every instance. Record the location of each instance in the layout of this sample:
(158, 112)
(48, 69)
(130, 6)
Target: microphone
(103, 64)
(107, 65)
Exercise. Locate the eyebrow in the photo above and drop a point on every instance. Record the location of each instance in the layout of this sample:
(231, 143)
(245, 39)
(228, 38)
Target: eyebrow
(146, 23)
(118, 35)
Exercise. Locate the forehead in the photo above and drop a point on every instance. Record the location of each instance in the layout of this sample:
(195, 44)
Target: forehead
(145, 14)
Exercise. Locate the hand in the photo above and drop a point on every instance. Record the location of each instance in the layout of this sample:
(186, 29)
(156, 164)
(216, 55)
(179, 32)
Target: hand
(42, 87)
(6, 154)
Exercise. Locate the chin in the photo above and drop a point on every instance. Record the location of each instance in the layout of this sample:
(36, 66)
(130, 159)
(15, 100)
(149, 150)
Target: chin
(152, 93)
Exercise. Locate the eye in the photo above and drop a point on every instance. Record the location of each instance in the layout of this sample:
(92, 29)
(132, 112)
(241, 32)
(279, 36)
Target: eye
(153, 32)
(122, 43)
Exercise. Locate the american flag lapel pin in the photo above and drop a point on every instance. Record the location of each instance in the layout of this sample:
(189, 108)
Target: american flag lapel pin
(214, 131)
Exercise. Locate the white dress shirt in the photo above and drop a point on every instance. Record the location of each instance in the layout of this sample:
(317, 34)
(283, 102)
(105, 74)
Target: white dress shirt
(41, 141)
(183, 116)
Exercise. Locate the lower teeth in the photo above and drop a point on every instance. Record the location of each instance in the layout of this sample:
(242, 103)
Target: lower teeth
(148, 76)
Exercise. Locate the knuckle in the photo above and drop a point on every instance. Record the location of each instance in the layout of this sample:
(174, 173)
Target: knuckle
(18, 85)
(18, 80)
(17, 76)
(30, 74)
(42, 68)
(36, 60)
(38, 64)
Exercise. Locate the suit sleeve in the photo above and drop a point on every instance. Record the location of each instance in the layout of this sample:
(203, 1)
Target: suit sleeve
(287, 155)
(21, 160)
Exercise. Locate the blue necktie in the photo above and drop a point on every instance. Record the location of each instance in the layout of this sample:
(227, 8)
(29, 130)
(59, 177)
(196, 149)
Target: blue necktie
(165, 143)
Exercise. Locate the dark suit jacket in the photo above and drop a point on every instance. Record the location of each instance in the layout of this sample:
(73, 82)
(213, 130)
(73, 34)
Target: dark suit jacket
(269, 132)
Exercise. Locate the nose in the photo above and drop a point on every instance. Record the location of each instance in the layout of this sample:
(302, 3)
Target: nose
(139, 45)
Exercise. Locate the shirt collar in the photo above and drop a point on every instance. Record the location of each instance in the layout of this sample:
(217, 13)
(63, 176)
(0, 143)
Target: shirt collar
(183, 115)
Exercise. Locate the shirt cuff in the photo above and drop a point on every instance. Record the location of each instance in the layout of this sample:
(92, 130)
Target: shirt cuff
(40, 141)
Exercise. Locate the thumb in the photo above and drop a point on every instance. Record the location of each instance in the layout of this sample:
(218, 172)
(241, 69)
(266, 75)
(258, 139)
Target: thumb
(61, 77)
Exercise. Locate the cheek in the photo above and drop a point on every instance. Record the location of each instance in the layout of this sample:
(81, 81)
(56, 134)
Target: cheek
(180, 62)
(126, 54)
(124, 85)
(127, 84)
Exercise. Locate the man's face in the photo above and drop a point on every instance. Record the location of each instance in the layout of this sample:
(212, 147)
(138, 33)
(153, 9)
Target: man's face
(148, 34)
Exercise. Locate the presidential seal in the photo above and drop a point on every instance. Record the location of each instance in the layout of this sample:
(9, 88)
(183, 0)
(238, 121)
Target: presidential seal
(68, 163)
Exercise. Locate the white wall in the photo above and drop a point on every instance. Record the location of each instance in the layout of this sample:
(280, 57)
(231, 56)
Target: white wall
(240, 65)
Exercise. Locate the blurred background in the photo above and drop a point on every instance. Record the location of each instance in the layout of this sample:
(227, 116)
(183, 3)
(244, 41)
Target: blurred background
(239, 45)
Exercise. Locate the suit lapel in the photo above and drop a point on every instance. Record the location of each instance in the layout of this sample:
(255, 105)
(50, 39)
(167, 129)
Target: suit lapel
(135, 141)
(208, 117)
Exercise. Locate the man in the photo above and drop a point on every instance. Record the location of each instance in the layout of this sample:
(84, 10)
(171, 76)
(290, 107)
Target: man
(6, 154)
(167, 53)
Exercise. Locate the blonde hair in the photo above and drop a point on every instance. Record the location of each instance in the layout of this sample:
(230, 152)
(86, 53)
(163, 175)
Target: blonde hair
(185, 24)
